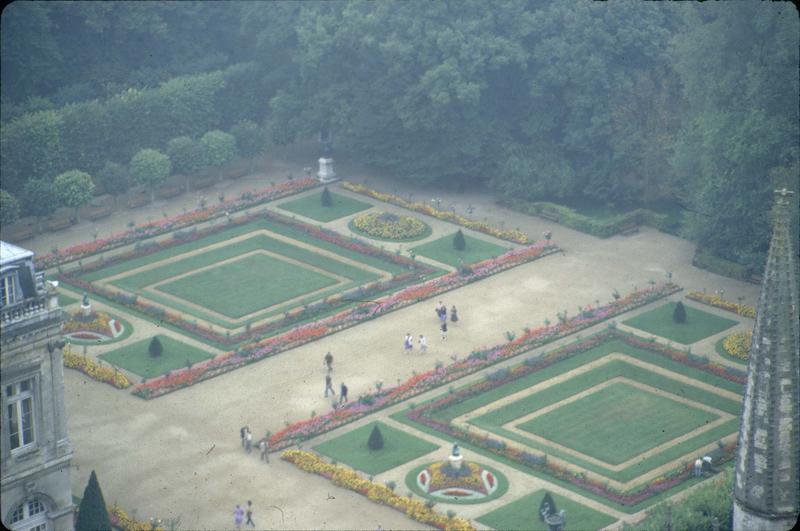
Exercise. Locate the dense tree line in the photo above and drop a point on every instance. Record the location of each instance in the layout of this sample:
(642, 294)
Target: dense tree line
(622, 102)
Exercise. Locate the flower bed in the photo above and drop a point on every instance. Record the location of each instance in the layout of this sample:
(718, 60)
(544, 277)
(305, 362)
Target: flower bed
(344, 319)
(350, 479)
(387, 226)
(738, 345)
(100, 324)
(516, 236)
(122, 520)
(94, 370)
(154, 228)
(718, 302)
(477, 360)
(424, 415)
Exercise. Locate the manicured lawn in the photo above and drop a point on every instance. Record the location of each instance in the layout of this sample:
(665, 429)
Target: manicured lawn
(247, 285)
(351, 449)
(310, 206)
(522, 514)
(442, 250)
(617, 422)
(65, 300)
(699, 324)
(136, 358)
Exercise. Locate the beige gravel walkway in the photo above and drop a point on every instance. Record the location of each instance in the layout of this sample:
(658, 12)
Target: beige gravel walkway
(179, 455)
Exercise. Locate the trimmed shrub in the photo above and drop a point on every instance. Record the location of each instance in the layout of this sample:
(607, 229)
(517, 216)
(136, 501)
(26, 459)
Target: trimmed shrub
(93, 515)
(326, 200)
(155, 348)
(679, 313)
(459, 243)
(375, 441)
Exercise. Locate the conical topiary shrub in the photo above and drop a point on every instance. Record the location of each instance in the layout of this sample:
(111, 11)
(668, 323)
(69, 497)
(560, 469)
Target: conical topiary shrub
(92, 514)
(459, 243)
(679, 313)
(326, 198)
(375, 441)
(155, 349)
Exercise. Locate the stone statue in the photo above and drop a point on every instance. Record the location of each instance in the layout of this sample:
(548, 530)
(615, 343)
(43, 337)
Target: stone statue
(325, 142)
(456, 450)
(85, 298)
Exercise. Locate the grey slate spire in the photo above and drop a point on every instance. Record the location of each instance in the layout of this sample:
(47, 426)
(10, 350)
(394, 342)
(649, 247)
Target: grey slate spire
(767, 485)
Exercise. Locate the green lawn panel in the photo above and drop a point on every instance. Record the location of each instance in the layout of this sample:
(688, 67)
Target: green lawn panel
(136, 358)
(245, 286)
(617, 423)
(310, 206)
(399, 448)
(442, 250)
(699, 324)
(522, 514)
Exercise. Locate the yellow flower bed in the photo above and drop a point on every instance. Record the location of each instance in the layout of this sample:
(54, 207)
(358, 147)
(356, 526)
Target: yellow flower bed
(424, 208)
(738, 345)
(120, 519)
(94, 370)
(376, 492)
(718, 302)
(389, 226)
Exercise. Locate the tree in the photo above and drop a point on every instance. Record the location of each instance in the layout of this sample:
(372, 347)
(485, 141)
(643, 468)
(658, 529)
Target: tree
(459, 243)
(155, 348)
(93, 514)
(74, 189)
(375, 441)
(114, 178)
(326, 200)
(150, 167)
(9, 208)
(39, 198)
(220, 147)
(679, 313)
(188, 156)
(250, 139)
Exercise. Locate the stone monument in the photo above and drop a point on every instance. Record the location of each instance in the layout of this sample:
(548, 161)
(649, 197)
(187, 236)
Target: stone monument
(455, 458)
(86, 306)
(326, 174)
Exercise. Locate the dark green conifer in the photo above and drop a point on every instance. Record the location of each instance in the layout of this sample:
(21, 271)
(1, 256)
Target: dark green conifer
(155, 349)
(375, 441)
(326, 198)
(459, 243)
(93, 514)
(679, 313)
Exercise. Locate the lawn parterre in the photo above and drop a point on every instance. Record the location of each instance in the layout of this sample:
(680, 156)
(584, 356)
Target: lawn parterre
(310, 206)
(699, 324)
(136, 359)
(475, 250)
(390, 227)
(477, 360)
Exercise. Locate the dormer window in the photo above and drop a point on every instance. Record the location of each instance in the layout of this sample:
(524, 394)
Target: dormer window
(8, 289)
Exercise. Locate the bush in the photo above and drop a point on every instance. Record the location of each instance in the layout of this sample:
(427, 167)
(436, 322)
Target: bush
(705, 260)
(150, 167)
(114, 178)
(459, 243)
(155, 348)
(39, 197)
(326, 200)
(9, 208)
(679, 313)
(375, 441)
(250, 139)
(220, 147)
(74, 189)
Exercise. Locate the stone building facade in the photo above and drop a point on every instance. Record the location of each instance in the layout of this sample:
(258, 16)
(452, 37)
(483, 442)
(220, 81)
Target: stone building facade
(35, 453)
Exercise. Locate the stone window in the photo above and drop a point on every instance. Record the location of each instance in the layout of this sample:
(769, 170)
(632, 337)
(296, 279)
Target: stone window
(20, 404)
(8, 289)
(30, 516)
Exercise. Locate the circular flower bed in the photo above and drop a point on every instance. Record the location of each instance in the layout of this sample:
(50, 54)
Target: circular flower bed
(97, 327)
(472, 483)
(392, 227)
(736, 346)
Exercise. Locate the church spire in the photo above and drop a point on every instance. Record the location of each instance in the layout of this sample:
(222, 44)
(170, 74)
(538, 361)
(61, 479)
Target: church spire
(767, 485)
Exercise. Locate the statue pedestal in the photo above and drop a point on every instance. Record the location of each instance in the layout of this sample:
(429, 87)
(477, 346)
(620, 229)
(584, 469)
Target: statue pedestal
(455, 461)
(326, 173)
(86, 309)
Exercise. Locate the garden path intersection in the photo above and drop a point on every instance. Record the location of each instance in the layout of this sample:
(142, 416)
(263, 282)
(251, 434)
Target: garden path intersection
(153, 456)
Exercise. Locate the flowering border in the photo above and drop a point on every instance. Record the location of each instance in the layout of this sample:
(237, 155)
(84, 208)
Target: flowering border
(155, 228)
(423, 415)
(344, 319)
(478, 359)
(516, 236)
(350, 479)
(94, 370)
(718, 302)
(122, 520)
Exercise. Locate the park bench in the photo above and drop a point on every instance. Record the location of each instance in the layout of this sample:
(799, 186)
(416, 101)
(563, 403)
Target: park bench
(100, 207)
(61, 219)
(199, 182)
(138, 197)
(628, 229)
(22, 229)
(550, 215)
(174, 185)
(236, 169)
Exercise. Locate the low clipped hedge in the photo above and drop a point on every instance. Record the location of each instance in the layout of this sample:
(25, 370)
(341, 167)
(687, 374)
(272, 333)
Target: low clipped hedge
(721, 266)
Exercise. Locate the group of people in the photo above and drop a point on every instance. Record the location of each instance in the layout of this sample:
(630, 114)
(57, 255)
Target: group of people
(328, 364)
(247, 443)
(240, 513)
(441, 313)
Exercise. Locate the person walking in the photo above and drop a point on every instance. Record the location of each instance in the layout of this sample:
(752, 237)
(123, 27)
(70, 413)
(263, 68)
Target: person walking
(443, 314)
(329, 361)
(248, 441)
(250, 515)
(263, 446)
(453, 314)
(342, 393)
(242, 433)
(329, 385)
(444, 330)
(238, 516)
(423, 344)
(408, 343)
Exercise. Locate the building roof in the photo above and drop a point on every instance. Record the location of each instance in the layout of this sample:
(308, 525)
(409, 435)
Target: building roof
(11, 253)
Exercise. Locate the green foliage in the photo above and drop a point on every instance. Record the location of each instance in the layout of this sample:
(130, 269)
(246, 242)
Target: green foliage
(150, 167)
(375, 441)
(39, 197)
(679, 313)
(31, 146)
(325, 199)
(74, 188)
(459, 243)
(9, 208)
(155, 349)
(93, 514)
(114, 178)
(706, 260)
(187, 155)
(250, 139)
(220, 147)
